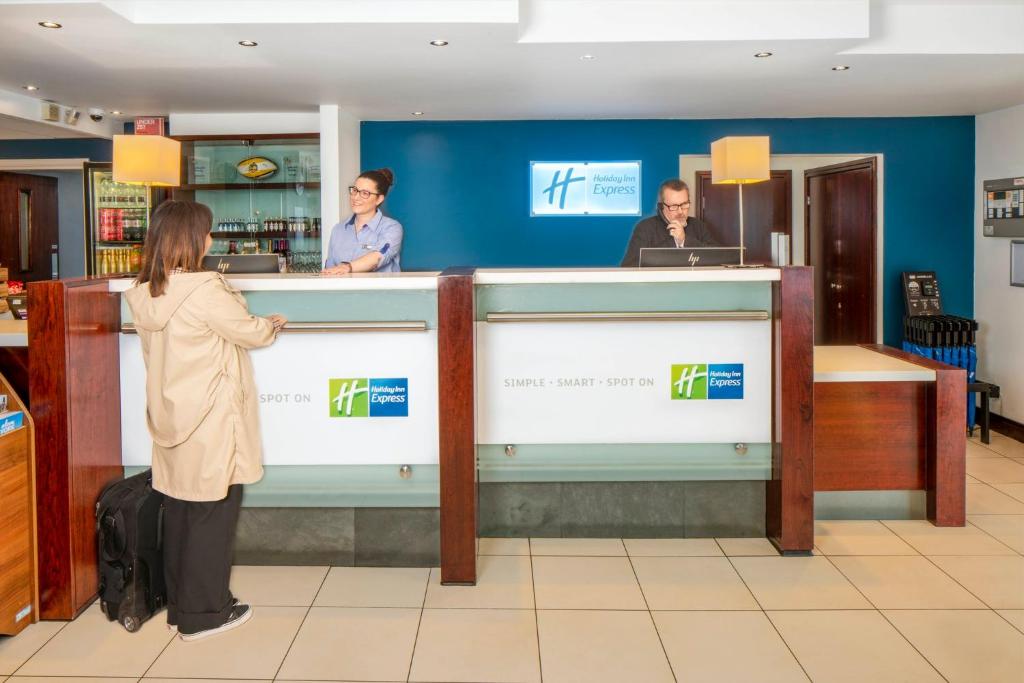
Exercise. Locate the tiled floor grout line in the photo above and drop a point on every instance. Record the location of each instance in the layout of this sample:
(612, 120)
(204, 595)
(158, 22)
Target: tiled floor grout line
(650, 614)
(883, 615)
(37, 650)
(536, 613)
(764, 612)
(301, 623)
(419, 622)
(957, 582)
(993, 536)
(967, 523)
(162, 651)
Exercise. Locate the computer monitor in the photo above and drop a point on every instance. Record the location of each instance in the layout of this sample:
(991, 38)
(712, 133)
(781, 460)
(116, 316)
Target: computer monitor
(236, 264)
(683, 257)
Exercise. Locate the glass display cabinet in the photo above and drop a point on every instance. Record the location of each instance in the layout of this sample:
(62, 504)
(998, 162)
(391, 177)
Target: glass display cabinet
(264, 191)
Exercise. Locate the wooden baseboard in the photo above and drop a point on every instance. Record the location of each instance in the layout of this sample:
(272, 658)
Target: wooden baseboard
(1004, 425)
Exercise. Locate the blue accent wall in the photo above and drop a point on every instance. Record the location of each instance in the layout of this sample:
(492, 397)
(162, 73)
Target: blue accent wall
(462, 188)
(93, 149)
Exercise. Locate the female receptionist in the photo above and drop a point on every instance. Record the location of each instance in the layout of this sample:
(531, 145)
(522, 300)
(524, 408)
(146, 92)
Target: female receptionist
(368, 241)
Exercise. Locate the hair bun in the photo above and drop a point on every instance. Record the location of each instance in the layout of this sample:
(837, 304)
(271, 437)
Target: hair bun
(388, 174)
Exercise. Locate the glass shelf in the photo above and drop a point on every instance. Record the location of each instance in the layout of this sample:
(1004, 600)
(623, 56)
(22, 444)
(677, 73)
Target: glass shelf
(287, 193)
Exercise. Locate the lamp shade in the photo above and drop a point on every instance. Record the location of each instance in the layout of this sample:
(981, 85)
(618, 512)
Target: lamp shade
(147, 160)
(740, 160)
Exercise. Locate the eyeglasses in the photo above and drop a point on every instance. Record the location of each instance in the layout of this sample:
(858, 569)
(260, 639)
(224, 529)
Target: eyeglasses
(365, 194)
(675, 207)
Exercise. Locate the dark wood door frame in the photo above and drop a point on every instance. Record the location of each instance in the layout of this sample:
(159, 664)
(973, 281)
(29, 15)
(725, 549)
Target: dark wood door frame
(35, 199)
(702, 176)
(868, 163)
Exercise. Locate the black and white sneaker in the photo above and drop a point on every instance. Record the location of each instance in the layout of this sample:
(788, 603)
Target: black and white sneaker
(239, 615)
(173, 628)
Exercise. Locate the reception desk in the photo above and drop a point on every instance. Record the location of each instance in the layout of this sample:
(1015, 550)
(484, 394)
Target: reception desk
(890, 425)
(391, 401)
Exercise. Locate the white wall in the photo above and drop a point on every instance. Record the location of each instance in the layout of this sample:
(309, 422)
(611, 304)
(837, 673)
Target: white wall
(689, 164)
(999, 308)
(339, 165)
(240, 123)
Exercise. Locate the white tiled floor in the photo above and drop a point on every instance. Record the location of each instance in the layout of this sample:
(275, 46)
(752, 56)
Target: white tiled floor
(878, 601)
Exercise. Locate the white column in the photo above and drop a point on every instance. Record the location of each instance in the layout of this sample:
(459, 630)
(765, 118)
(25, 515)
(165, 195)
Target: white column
(339, 165)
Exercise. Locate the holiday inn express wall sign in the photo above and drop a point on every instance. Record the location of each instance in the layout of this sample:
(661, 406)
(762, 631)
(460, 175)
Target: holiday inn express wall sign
(581, 188)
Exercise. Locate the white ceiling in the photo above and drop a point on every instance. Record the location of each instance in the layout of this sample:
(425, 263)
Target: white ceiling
(521, 60)
(15, 128)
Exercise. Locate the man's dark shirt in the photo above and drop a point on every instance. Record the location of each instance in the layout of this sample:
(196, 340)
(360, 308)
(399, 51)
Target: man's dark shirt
(652, 232)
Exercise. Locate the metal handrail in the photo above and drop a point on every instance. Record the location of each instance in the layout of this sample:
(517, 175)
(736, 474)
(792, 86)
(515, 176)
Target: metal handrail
(629, 316)
(346, 326)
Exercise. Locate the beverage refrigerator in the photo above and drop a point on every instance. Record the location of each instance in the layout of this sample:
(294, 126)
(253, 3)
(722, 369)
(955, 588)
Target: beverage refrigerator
(117, 217)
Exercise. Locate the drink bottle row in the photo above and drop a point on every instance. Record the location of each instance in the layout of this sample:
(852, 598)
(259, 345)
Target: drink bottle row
(111, 261)
(250, 246)
(121, 225)
(111, 194)
(299, 226)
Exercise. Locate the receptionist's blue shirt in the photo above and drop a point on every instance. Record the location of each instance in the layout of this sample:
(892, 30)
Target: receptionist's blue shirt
(347, 245)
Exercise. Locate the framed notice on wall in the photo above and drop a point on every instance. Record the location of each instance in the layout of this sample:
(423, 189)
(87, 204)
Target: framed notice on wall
(585, 188)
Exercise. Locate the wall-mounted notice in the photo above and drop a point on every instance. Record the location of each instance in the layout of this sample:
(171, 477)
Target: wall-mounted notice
(581, 188)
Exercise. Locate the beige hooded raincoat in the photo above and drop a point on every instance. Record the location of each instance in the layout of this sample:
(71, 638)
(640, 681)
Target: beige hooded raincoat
(201, 402)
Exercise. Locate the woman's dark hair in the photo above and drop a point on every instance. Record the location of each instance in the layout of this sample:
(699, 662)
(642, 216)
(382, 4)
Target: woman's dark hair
(384, 178)
(176, 240)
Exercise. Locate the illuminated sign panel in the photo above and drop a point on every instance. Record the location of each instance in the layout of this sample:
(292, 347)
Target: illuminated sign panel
(584, 188)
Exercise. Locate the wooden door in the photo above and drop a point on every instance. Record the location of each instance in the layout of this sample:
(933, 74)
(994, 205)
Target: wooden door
(28, 226)
(766, 209)
(841, 245)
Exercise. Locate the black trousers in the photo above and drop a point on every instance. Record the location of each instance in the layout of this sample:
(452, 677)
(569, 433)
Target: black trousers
(199, 541)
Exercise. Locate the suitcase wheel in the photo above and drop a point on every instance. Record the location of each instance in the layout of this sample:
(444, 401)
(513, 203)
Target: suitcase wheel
(130, 623)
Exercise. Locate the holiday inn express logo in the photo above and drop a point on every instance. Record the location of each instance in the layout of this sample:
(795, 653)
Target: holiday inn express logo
(701, 381)
(551, 189)
(369, 397)
(585, 188)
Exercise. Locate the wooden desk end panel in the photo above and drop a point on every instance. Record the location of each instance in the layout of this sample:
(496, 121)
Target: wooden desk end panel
(870, 436)
(789, 509)
(47, 337)
(94, 403)
(18, 569)
(75, 388)
(456, 349)
(947, 448)
(946, 453)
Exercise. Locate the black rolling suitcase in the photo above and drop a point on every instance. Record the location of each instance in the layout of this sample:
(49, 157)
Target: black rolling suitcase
(129, 526)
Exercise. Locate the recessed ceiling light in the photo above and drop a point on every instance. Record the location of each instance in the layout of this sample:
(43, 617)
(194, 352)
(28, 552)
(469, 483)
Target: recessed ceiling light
(50, 24)
(587, 58)
(248, 43)
(841, 67)
(417, 113)
(761, 55)
(439, 43)
(30, 87)
(115, 112)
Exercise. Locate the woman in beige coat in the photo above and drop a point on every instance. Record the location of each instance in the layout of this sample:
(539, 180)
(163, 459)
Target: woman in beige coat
(201, 406)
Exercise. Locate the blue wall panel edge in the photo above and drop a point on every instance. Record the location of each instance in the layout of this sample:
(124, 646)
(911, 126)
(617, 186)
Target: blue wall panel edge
(94, 149)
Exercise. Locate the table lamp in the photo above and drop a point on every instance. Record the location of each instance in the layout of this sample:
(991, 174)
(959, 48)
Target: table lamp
(740, 160)
(150, 160)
